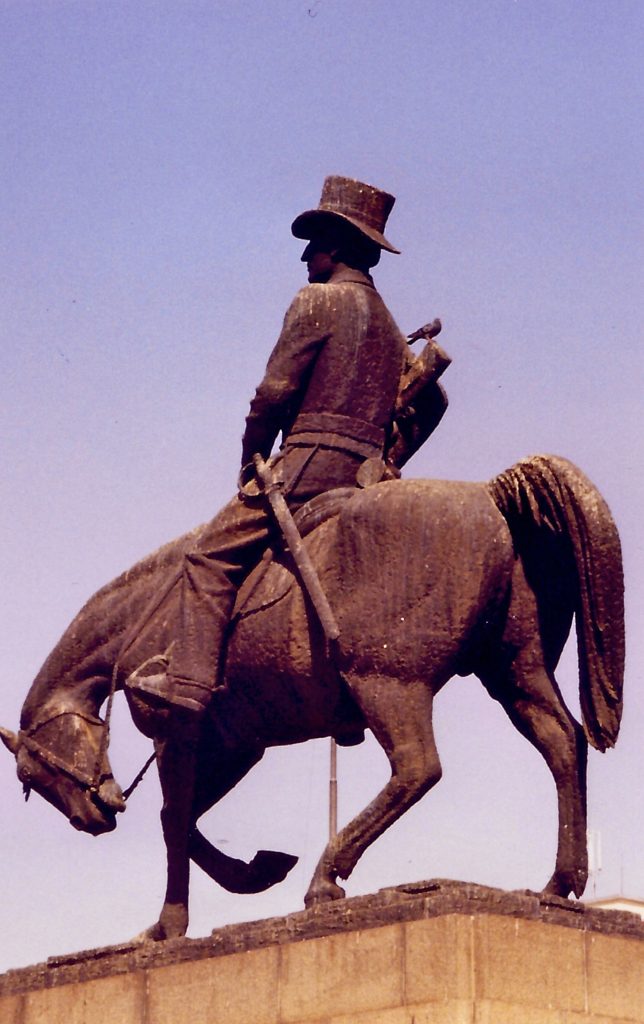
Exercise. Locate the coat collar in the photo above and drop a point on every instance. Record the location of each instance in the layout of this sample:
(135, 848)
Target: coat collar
(351, 276)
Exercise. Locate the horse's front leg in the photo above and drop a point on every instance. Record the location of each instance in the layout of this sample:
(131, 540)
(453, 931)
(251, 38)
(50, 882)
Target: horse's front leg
(177, 761)
(408, 742)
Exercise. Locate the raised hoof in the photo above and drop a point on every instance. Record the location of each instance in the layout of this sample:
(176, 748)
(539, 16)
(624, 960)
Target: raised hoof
(267, 868)
(324, 892)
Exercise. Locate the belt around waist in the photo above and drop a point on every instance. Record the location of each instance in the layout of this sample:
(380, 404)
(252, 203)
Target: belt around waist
(347, 427)
(322, 439)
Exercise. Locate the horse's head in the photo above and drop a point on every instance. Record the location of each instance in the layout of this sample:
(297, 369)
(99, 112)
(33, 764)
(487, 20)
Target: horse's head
(60, 756)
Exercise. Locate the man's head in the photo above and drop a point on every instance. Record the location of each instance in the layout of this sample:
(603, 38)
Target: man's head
(347, 227)
(338, 244)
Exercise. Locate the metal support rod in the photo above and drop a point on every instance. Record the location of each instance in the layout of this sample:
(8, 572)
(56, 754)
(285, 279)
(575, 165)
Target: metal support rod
(333, 790)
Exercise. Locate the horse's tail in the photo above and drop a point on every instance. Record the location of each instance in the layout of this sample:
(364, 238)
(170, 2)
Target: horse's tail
(548, 493)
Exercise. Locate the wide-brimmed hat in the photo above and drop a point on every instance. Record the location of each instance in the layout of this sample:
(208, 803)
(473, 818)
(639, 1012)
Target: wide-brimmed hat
(363, 206)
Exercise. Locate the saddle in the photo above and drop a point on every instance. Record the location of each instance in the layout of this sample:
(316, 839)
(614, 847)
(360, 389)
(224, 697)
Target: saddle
(307, 518)
(252, 598)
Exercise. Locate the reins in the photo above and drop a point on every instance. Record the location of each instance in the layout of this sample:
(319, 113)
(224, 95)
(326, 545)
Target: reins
(105, 734)
(130, 637)
(105, 731)
(90, 782)
(130, 789)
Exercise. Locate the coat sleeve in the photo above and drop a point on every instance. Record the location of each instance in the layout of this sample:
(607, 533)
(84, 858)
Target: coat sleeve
(277, 400)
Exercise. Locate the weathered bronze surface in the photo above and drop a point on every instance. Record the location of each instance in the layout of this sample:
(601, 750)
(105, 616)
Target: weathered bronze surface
(424, 579)
(427, 579)
(330, 389)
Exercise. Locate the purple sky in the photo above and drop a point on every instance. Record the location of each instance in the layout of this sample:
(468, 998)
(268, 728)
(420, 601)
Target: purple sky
(154, 155)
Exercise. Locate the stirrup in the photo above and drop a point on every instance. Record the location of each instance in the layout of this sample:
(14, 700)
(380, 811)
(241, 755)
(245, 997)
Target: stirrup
(161, 692)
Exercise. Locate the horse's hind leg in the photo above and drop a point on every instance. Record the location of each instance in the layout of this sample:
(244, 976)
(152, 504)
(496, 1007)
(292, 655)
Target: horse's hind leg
(400, 717)
(531, 698)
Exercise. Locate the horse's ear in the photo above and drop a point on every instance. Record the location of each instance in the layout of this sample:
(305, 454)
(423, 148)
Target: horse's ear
(9, 739)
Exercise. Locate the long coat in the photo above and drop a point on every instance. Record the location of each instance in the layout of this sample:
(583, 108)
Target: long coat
(330, 385)
(330, 388)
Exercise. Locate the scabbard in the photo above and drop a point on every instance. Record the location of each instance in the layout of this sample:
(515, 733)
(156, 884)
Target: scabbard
(301, 557)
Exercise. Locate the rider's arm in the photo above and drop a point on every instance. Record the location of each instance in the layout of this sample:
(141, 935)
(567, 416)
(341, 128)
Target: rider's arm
(278, 397)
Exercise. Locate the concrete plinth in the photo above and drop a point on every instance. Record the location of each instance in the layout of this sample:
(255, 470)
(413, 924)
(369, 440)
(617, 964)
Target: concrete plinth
(430, 953)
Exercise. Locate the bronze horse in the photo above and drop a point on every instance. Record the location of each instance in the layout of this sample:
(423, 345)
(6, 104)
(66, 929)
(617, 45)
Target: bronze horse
(427, 579)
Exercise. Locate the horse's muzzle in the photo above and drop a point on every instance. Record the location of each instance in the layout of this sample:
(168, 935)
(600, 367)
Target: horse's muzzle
(110, 795)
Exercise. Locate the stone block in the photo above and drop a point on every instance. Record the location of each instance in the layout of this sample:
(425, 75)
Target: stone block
(457, 1011)
(615, 967)
(348, 973)
(438, 959)
(490, 1011)
(111, 1000)
(236, 989)
(521, 962)
(11, 1009)
(569, 1017)
(432, 953)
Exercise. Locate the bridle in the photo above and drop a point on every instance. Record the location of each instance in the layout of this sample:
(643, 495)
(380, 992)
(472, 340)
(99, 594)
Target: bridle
(93, 782)
(46, 756)
(90, 782)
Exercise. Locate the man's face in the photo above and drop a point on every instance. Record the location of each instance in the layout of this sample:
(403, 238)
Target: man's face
(318, 257)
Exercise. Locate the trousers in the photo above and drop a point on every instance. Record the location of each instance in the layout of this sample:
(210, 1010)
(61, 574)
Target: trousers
(212, 573)
(233, 544)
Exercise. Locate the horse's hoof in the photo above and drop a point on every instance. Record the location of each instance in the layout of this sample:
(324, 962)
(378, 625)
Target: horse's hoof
(151, 934)
(324, 892)
(567, 887)
(172, 924)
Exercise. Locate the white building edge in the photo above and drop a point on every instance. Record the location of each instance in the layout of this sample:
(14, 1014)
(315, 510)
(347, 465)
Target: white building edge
(624, 903)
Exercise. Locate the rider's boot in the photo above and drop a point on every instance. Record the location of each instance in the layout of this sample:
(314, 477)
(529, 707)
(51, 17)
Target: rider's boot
(154, 685)
(180, 683)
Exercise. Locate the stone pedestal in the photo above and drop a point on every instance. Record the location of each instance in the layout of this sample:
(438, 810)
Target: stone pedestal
(430, 953)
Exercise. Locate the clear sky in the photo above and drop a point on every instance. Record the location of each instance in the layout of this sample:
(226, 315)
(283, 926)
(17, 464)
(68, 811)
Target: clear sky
(153, 157)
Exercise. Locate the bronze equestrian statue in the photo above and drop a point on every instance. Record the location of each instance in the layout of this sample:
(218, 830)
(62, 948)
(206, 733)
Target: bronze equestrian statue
(426, 580)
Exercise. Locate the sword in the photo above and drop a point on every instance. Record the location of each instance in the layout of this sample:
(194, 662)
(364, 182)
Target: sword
(301, 557)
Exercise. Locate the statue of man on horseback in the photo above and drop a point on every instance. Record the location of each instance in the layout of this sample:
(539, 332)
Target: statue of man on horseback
(424, 579)
(331, 388)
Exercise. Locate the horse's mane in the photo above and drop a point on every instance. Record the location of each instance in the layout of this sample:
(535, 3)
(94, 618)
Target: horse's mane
(165, 557)
(88, 642)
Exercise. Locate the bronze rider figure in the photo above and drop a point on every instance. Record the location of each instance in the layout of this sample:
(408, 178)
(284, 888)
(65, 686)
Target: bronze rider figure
(330, 389)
